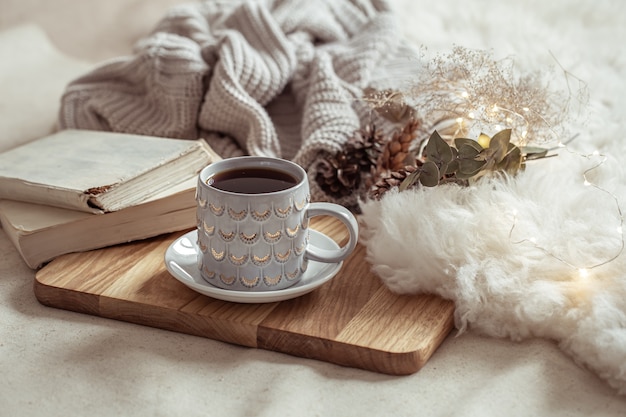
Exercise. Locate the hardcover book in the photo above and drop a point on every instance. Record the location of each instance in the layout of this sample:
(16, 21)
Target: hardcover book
(40, 233)
(98, 172)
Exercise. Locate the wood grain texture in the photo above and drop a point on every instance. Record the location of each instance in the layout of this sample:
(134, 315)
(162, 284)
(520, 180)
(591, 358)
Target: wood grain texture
(352, 320)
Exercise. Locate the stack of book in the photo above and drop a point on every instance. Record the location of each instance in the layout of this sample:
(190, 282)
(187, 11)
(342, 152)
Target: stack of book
(78, 190)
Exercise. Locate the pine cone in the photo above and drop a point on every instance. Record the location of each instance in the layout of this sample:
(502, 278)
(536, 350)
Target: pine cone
(389, 180)
(365, 146)
(342, 174)
(339, 176)
(396, 151)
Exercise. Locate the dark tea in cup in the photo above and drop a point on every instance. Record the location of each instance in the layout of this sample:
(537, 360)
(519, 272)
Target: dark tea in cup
(252, 180)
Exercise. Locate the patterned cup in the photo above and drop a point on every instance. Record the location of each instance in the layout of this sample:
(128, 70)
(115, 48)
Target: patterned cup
(251, 240)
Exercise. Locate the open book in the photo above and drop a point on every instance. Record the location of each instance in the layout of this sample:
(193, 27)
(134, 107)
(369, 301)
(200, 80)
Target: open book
(96, 171)
(41, 233)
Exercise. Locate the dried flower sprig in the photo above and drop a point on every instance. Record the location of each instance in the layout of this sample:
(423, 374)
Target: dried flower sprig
(390, 104)
(467, 92)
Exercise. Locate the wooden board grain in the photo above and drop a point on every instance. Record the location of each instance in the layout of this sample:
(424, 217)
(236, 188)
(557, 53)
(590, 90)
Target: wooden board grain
(352, 320)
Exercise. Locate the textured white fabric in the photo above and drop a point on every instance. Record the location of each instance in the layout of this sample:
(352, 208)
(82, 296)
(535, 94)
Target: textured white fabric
(280, 77)
(508, 253)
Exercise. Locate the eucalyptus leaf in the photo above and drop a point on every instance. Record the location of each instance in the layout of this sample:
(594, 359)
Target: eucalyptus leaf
(430, 174)
(469, 167)
(469, 160)
(485, 155)
(459, 142)
(437, 150)
(410, 180)
(503, 136)
(452, 167)
(512, 162)
(468, 152)
(511, 148)
(499, 144)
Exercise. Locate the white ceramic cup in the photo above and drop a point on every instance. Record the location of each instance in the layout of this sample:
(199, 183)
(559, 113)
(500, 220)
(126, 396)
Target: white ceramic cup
(259, 241)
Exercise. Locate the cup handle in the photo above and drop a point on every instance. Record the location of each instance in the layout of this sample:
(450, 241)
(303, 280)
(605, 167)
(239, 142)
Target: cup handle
(315, 253)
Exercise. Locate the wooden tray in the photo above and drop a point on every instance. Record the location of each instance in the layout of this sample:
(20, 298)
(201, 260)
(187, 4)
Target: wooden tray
(352, 320)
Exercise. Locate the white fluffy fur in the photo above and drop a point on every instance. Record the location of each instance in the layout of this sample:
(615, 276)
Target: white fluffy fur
(457, 242)
(474, 246)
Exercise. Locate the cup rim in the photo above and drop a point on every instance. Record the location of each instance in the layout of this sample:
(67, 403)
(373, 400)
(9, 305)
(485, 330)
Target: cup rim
(253, 161)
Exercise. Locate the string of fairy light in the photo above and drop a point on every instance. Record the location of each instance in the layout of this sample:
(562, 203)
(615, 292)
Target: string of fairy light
(583, 270)
(469, 93)
(493, 117)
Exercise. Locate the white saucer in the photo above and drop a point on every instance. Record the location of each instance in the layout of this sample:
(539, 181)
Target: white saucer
(181, 262)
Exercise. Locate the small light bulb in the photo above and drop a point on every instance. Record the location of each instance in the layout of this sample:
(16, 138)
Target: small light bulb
(526, 109)
(495, 107)
(533, 240)
(464, 94)
(459, 120)
(471, 115)
(586, 183)
(524, 133)
(484, 140)
(583, 273)
(595, 153)
(620, 230)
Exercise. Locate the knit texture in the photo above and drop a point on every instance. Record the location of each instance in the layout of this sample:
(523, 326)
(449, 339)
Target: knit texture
(278, 78)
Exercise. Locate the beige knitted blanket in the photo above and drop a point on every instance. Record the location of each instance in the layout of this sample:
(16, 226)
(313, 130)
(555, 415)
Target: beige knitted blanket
(281, 78)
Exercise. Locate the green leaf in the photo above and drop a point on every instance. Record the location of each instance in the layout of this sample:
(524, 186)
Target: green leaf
(437, 150)
(452, 167)
(500, 144)
(430, 174)
(459, 142)
(469, 167)
(467, 148)
(512, 162)
(410, 180)
(503, 136)
(468, 152)
(468, 160)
